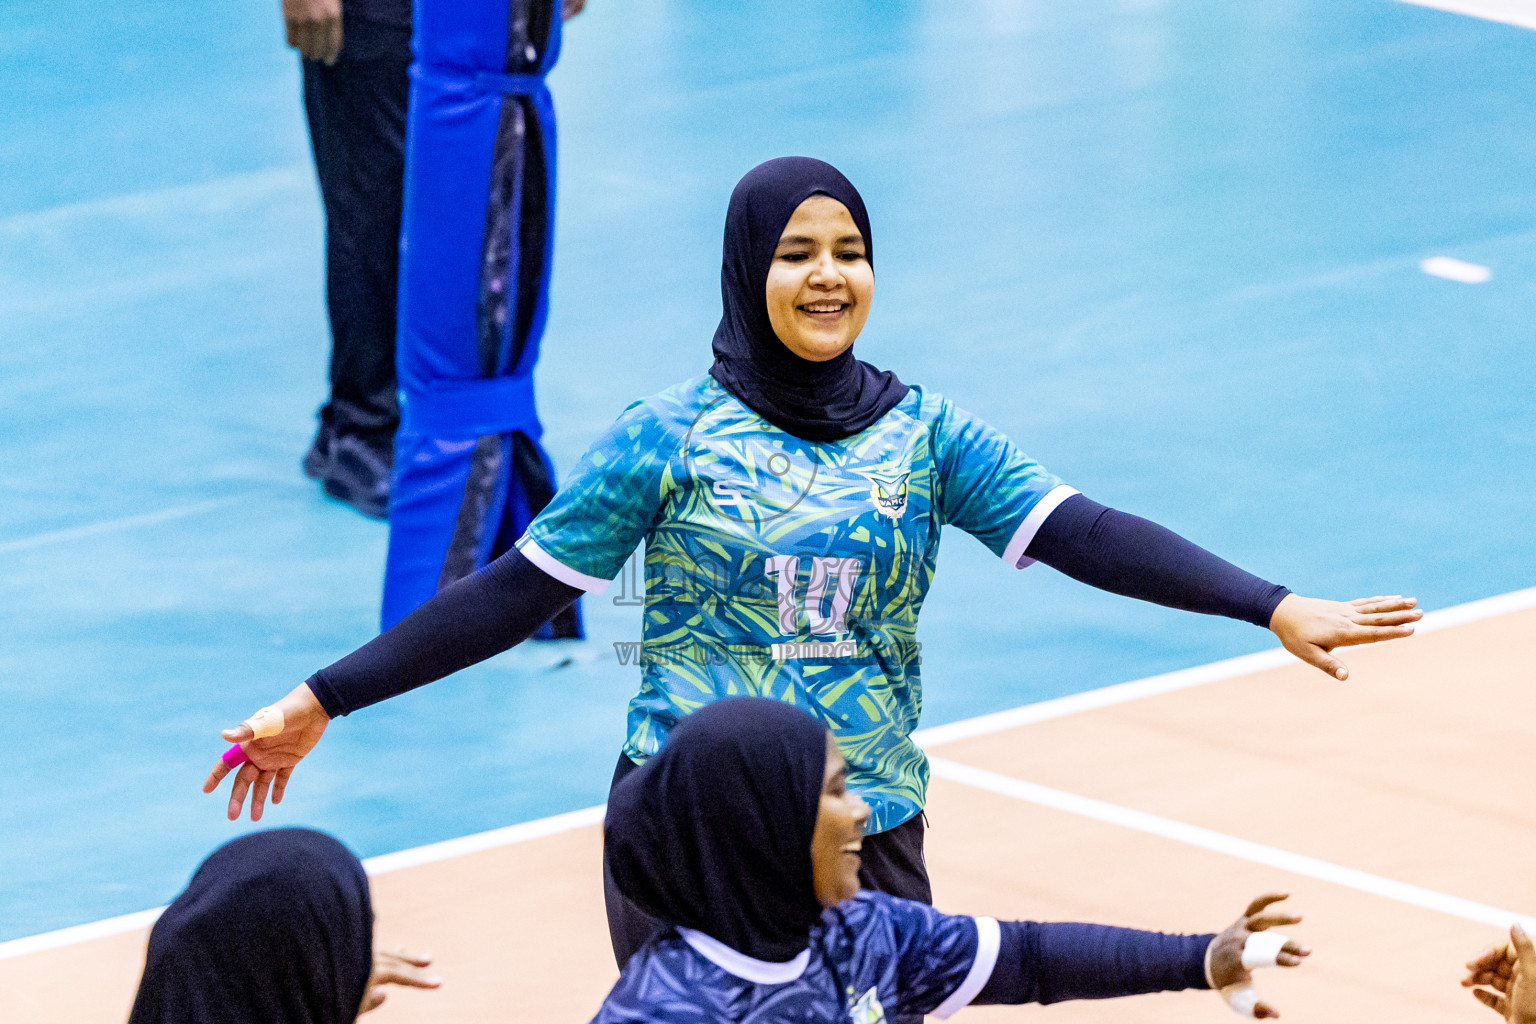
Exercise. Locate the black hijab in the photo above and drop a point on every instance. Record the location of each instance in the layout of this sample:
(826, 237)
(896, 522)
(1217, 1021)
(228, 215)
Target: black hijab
(815, 401)
(275, 928)
(714, 832)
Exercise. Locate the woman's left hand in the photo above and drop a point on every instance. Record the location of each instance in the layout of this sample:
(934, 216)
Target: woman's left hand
(1504, 978)
(1311, 628)
(400, 968)
(1224, 959)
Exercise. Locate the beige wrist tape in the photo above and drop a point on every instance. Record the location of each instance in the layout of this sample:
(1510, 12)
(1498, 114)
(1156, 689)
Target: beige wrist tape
(266, 722)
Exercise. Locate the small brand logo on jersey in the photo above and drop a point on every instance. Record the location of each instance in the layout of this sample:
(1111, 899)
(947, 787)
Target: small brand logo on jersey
(868, 1009)
(767, 474)
(889, 495)
(727, 496)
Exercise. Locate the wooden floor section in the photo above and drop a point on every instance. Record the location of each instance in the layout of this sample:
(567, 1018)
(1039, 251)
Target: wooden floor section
(1418, 769)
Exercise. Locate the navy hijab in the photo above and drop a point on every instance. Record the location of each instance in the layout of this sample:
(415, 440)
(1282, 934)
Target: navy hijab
(275, 928)
(714, 832)
(815, 401)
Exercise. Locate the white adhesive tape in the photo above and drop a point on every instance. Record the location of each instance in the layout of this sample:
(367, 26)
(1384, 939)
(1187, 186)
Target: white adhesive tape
(1262, 949)
(1242, 998)
(266, 722)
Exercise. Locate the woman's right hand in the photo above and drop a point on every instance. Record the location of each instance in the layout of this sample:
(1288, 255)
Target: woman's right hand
(270, 760)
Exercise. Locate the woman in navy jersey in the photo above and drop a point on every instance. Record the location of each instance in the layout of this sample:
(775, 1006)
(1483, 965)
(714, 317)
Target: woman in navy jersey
(743, 838)
(791, 502)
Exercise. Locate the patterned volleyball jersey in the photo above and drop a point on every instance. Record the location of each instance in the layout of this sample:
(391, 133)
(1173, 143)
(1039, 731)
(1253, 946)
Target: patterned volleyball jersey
(784, 568)
(872, 960)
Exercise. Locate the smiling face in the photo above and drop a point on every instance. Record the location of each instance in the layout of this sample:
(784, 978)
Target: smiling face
(820, 283)
(839, 834)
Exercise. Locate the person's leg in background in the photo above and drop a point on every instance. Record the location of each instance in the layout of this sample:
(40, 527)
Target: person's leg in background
(356, 111)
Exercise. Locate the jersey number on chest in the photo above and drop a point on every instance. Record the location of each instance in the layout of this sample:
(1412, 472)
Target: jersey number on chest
(785, 569)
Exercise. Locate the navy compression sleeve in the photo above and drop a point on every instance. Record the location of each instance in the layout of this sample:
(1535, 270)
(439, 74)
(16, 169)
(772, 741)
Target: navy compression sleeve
(1128, 555)
(1049, 963)
(467, 621)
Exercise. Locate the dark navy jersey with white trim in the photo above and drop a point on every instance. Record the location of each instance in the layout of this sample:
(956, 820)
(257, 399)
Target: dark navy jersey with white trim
(874, 958)
(877, 959)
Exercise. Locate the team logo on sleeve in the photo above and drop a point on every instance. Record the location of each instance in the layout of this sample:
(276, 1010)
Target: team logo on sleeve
(889, 495)
(868, 1009)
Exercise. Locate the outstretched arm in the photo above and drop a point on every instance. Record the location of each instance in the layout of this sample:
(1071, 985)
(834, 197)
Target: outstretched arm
(466, 622)
(1039, 962)
(1049, 963)
(1128, 555)
(475, 618)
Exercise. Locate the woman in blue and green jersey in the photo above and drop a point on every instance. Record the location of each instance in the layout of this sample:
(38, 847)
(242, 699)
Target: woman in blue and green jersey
(791, 501)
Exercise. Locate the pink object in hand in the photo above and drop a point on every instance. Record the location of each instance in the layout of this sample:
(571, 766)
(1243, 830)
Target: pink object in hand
(234, 756)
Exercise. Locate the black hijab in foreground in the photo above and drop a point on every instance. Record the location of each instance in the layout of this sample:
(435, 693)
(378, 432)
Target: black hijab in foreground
(714, 832)
(275, 928)
(815, 401)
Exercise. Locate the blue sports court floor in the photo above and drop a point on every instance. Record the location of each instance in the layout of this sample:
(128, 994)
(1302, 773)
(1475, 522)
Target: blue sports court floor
(1171, 247)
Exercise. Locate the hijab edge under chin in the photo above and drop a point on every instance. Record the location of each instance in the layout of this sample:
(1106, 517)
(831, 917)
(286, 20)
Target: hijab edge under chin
(818, 402)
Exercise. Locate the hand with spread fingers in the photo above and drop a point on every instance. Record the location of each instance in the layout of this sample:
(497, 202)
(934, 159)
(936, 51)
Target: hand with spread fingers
(1232, 955)
(1311, 628)
(1503, 978)
(266, 747)
(400, 968)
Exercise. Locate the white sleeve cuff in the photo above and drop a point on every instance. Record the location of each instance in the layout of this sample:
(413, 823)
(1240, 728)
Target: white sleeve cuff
(560, 571)
(1014, 553)
(989, 938)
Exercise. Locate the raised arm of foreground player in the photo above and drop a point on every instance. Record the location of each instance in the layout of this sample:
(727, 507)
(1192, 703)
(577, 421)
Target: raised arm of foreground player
(1054, 962)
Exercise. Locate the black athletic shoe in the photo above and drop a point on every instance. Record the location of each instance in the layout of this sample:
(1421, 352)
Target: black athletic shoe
(358, 474)
(318, 459)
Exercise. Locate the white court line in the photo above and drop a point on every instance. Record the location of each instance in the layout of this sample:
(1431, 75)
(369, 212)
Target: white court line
(1247, 664)
(380, 865)
(1453, 269)
(1103, 697)
(113, 525)
(1510, 12)
(1457, 615)
(79, 933)
(537, 829)
(1219, 842)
